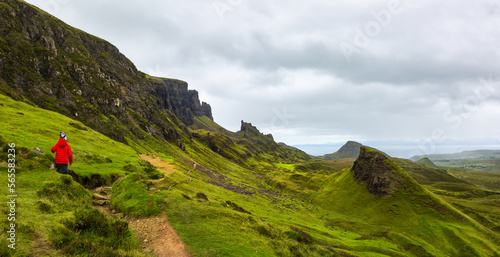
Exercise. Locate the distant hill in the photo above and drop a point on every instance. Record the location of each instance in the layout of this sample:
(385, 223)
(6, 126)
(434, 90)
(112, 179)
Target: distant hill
(427, 163)
(476, 154)
(226, 193)
(430, 176)
(376, 190)
(348, 151)
(478, 160)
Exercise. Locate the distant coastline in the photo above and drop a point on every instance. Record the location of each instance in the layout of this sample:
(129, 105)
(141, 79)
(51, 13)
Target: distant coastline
(401, 150)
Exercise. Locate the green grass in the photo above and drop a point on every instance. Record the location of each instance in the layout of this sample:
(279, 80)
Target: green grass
(485, 180)
(132, 197)
(205, 123)
(48, 210)
(417, 217)
(93, 152)
(427, 163)
(90, 232)
(253, 207)
(289, 167)
(47, 200)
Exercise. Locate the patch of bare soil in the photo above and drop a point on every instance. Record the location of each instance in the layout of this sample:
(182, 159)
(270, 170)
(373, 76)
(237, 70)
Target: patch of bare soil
(157, 236)
(166, 167)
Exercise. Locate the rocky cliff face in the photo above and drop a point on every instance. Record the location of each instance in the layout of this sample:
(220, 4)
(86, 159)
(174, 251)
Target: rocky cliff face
(45, 62)
(380, 174)
(174, 95)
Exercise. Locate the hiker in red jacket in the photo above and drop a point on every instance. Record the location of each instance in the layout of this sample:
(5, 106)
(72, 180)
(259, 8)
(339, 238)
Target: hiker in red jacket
(64, 155)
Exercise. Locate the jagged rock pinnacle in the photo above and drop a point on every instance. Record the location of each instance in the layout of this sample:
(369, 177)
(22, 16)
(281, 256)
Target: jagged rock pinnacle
(378, 171)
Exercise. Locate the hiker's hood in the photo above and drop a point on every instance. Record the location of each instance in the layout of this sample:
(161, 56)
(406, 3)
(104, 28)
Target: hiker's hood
(62, 142)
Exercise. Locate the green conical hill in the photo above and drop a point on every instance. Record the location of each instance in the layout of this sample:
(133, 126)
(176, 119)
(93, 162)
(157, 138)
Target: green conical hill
(377, 191)
(427, 163)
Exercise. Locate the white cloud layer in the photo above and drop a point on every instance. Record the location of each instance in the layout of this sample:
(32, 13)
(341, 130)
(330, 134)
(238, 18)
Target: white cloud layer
(318, 71)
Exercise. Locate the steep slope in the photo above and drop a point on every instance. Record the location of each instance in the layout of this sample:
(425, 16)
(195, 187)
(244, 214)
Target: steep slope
(54, 214)
(229, 194)
(376, 192)
(425, 174)
(57, 67)
(380, 174)
(227, 211)
(247, 147)
(52, 65)
(205, 123)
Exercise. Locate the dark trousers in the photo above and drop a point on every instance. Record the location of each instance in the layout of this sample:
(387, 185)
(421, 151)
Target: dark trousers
(62, 168)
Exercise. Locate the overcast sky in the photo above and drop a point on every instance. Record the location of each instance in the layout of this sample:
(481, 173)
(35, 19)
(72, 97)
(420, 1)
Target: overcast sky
(313, 72)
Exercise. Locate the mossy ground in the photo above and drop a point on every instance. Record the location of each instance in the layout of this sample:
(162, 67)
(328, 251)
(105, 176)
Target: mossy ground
(246, 206)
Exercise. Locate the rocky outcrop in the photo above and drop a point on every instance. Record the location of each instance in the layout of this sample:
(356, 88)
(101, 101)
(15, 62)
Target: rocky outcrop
(248, 127)
(206, 110)
(258, 142)
(174, 95)
(50, 64)
(381, 175)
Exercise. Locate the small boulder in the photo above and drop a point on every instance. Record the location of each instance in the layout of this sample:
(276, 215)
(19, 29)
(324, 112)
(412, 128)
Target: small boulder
(37, 150)
(99, 197)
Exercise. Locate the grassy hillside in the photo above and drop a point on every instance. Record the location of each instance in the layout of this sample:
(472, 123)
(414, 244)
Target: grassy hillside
(52, 207)
(427, 163)
(31, 127)
(486, 180)
(205, 123)
(220, 208)
(227, 194)
(414, 221)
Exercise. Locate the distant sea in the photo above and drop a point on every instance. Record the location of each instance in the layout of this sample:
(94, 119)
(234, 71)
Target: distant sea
(400, 150)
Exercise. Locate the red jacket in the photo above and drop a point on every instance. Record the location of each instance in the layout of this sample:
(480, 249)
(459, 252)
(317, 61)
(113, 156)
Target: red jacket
(63, 152)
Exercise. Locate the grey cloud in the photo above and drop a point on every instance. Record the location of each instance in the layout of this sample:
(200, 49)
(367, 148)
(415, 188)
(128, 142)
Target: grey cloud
(263, 57)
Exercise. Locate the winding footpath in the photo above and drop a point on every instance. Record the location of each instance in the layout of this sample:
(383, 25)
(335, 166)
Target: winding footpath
(156, 234)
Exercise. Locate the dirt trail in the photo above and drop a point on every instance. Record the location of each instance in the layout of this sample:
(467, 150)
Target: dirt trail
(158, 236)
(166, 167)
(155, 234)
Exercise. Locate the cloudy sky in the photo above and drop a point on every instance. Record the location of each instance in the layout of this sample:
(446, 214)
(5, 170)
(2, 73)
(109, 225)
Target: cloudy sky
(425, 73)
